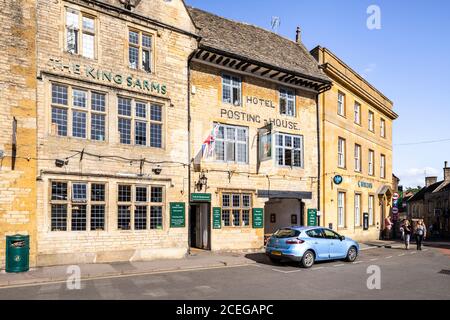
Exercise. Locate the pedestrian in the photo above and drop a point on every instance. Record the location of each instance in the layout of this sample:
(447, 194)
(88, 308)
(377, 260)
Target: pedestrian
(402, 229)
(388, 227)
(420, 233)
(407, 230)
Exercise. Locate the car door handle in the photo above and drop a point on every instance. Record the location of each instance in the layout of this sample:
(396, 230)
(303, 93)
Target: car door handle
(332, 244)
(316, 243)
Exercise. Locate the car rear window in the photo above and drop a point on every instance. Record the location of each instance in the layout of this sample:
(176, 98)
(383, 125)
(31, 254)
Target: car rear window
(286, 233)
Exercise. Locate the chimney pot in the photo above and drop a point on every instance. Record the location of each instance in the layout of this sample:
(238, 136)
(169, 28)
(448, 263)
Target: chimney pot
(298, 34)
(446, 172)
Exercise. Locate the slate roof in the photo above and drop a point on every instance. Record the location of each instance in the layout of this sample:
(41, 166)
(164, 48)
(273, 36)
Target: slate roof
(255, 44)
(421, 194)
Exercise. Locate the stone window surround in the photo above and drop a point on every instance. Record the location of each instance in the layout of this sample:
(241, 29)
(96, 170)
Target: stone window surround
(302, 149)
(231, 192)
(110, 208)
(70, 108)
(69, 203)
(83, 12)
(146, 31)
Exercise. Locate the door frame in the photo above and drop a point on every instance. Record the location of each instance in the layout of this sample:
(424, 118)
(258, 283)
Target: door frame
(208, 227)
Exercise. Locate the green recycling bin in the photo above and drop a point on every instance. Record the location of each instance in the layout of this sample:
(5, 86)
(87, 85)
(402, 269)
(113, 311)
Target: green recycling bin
(17, 253)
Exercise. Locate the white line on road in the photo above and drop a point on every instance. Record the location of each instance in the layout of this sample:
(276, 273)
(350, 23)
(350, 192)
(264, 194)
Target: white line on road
(279, 270)
(401, 255)
(425, 249)
(318, 268)
(389, 257)
(338, 265)
(413, 252)
(356, 262)
(374, 259)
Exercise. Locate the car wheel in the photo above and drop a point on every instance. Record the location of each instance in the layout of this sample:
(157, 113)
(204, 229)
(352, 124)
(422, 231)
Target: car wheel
(351, 254)
(308, 259)
(274, 260)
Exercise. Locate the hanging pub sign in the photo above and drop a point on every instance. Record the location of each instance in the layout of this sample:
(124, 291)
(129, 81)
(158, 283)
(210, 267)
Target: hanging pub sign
(338, 179)
(264, 144)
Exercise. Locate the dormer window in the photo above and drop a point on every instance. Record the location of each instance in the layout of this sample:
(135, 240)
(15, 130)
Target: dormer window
(140, 50)
(287, 102)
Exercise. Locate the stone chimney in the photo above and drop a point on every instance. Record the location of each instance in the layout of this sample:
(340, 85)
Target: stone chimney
(298, 35)
(446, 172)
(430, 180)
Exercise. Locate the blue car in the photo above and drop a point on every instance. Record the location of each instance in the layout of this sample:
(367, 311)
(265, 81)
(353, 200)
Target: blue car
(309, 244)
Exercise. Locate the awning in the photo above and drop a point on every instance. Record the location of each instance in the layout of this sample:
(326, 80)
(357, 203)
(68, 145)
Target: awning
(280, 194)
(384, 190)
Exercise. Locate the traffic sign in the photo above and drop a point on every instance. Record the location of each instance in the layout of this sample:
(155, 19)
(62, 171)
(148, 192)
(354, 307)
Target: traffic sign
(395, 196)
(395, 210)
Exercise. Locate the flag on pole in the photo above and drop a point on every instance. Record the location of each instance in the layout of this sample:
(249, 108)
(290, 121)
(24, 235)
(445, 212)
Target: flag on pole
(210, 143)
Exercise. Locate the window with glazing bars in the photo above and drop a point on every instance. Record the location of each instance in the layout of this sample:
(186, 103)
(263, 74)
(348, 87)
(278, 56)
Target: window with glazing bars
(80, 33)
(341, 153)
(289, 150)
(82, 116)
(140, 50)
(236, 209)
(287, 102)
(140, 207)
(231, 89)
(140, 123)
(84, 201)
(231, 144)
(357, 158)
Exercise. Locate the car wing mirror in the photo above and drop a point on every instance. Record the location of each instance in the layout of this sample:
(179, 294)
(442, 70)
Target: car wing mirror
(342, 238)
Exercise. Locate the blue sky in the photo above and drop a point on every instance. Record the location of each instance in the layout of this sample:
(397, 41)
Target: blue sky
(408, 59)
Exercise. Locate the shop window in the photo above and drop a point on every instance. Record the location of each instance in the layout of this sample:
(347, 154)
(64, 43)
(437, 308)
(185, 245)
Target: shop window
(289, 150)
(87, 208)
(80, 33)
(140, 207)
(71, 117)
(137, 125)
(140, 50)
(231, 90)
(236, 208)
(287, 102)
(231, 144)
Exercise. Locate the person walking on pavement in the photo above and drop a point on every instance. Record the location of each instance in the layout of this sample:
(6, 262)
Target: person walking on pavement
(407, 230)
(388, 227)
(420, 233)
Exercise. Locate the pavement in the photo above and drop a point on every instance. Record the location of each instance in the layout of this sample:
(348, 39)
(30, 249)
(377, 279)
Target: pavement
(197, 260)
(401, 274)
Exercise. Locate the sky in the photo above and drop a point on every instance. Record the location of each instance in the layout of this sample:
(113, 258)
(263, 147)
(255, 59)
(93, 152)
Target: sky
(408, 59)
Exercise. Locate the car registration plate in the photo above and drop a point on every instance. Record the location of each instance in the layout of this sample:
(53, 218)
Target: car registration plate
(276, 253)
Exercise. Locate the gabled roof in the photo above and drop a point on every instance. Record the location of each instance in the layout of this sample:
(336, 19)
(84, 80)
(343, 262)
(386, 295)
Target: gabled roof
(421, 194)
(255, 44)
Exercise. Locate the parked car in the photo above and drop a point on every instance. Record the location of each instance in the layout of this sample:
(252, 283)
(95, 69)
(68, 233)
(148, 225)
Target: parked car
(309, 244)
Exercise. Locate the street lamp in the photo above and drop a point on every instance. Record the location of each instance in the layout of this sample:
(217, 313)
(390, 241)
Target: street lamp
(202, 181)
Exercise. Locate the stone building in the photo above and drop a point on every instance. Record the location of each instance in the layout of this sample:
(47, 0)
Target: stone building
(355, 152)
(18, 122)
(432, 203)
(112, 122)
(253, 133)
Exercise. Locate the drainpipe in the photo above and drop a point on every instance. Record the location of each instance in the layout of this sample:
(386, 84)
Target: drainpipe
(318, 156)
(189, 146)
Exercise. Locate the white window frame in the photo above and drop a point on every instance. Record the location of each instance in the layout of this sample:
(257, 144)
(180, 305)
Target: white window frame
(288, 97)
(371, 204)
(382, 166)
(225, 140)
(382, 128)
(357, 158)
(341, 153)
(80, 31)
(341, 209)
(357, 113)
(341, 104)
(371, 162)
(357, 209)
(284, 148)
(235, 83)
(241, 208)
(371, 119)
